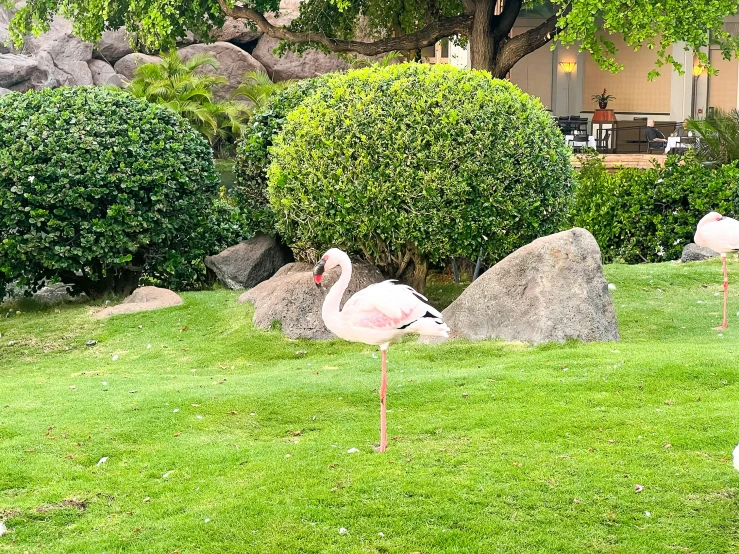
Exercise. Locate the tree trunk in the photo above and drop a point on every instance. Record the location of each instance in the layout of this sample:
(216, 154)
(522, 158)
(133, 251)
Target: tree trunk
(482, 38)
(415, 274)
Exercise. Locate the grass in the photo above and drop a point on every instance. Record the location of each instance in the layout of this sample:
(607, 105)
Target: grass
(222, 438)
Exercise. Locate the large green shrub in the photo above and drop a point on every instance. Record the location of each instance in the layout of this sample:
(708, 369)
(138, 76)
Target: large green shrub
(718, 136)
(639, 215)
(97, 187)
(252, 152)
(411, 164)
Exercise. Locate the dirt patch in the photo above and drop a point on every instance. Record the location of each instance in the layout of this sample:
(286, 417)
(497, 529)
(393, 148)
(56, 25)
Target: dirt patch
(5, 515)
(80, 505)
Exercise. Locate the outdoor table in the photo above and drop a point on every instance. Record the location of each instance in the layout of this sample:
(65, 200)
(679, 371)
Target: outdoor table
(570, 140)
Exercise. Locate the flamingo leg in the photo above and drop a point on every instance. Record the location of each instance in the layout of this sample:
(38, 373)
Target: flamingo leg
(383, 408)
(726, 293)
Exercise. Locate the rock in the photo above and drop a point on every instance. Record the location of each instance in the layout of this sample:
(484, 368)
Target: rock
(236, 31)
(53, 294)
(233, 63)
(4, 91)
(118, 80)
(113, 46)
(143, 299)
(552, 289)
(694, 253)
(127, 65)
(15, 69)
(61, 55)
(5, 17)
(293, 299)
(250, 262)
(101, 72)
(291, 65)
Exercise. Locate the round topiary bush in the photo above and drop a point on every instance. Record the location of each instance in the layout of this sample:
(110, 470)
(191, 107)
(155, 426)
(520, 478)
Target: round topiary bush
(97, 187)
(411, 164)
(252, 153)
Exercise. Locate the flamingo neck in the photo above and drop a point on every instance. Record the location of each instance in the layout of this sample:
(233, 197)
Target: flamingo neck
(332, 303)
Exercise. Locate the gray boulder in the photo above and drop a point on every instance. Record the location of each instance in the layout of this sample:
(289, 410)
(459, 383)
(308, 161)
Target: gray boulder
(101, 71)
(250, 262)
(236, 31)
(4, 91)
(16, 69)
(61, 55)
(127, 65)
(233, 63)
(292, 298)
(113, 46)
(694, 253)
(552, 289)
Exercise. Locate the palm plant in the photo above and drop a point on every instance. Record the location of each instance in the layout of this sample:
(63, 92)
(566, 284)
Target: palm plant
(719, 136)
(257, 88)
(175, 84)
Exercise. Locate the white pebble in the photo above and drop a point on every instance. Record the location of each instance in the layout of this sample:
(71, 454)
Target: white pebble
(380, 534)
(699, 302)
(353, 451)
(176, 410)
(105, 383)
(206, 520)
(611, 286)
(3, 529)
(166, 475)
(148, 346)
(648, 514)
(115, 357)
(343, 531)
(199, 416)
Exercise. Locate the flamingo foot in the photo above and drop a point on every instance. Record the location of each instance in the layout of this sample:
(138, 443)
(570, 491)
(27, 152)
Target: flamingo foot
(720, 327)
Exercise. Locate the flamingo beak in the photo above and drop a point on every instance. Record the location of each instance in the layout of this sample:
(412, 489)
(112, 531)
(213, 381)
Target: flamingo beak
(318, 272)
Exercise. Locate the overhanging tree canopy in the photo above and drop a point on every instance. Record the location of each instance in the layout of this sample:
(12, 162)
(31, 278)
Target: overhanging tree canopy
(408, 25)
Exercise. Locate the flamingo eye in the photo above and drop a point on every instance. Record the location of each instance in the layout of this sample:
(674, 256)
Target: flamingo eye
(718, 218)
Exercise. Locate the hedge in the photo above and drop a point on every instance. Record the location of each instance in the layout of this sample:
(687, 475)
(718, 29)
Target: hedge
(412, 164)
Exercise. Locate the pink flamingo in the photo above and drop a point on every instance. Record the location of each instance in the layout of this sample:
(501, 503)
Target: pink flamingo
(377, 315)
(720, 234)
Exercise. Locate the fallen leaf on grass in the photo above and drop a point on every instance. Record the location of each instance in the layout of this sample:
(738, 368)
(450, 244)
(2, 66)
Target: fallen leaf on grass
(638, 488)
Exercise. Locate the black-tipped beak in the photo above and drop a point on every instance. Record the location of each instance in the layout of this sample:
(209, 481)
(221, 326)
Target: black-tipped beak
(318, 272)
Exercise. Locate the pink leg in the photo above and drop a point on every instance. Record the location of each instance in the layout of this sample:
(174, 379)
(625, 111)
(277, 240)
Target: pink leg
(726, 294)
(383, 415)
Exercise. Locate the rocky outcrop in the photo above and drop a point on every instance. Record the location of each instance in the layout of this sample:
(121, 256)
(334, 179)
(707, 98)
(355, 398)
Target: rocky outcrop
(143, 299)
(236, 31)
(250, 262)
(694, 253)
(292, 298)
(16, 69)
(127, 65)
(550, 290)
(233, 63)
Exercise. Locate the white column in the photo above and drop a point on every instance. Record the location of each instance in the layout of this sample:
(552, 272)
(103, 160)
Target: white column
(458, 56)
(566, 94)
(681, 86)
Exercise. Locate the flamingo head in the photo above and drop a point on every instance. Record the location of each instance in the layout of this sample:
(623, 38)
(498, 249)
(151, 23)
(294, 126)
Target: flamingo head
(710, 218)
(329, 260)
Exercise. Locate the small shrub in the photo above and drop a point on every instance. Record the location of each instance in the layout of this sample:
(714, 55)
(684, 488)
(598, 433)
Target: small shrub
(252, 152)
(412, 164)
(719, 136)
(639, 215)
(97, 187)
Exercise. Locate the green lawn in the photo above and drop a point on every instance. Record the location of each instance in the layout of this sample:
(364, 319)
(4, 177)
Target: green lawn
(222, 438)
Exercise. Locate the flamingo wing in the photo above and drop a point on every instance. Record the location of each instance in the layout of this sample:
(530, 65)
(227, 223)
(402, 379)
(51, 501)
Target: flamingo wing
(721, 236)
(387, 305)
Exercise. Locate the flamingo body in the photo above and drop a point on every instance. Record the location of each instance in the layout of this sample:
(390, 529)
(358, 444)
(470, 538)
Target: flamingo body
(378, 315)
(720, 234)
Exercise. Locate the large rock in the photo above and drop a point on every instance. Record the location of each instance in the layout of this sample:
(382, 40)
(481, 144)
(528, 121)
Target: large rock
(62, 55)
(113, 46)
(233, 63)
(16, 69)
(291, 65)
(236, 31)
(102, 72)
(250, 262)
(4, 91)
(292, 298)
(694, 253)
(143, 299)
(127, 65)
(5, 17)
(552, 289)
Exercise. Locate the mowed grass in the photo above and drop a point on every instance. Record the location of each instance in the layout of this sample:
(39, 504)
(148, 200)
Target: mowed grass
(223, 438)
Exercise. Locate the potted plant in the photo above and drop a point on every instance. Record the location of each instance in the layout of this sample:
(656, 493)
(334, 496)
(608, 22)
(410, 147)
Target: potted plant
(603, 99)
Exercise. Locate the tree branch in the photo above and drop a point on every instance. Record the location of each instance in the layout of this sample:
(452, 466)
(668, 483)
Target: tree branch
(503, 23)
(425, 37)
(515, 48)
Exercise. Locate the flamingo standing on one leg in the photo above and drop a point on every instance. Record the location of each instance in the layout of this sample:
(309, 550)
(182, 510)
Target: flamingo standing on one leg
(378, 315)
(720, 234)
